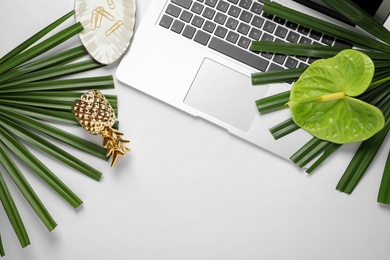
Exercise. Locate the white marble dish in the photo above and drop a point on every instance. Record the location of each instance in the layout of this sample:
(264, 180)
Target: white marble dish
(109, 27)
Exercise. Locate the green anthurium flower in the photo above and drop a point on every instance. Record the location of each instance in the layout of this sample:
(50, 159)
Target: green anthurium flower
(322, 100)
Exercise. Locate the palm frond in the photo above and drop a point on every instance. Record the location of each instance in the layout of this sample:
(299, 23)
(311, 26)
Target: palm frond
(284, 128)
(384, 190)
(13, 213)
(104, 82)
(42, 47)
(33, 95)
(2, 251)
(360, 17)
(25, 188)
(274, 102)
(378, 94)
(56, 133)
(363, 158)
(325, 27)
(36, 37)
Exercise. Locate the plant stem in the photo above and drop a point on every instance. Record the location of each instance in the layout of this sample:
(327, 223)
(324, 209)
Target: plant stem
(42, 47)
(273, 103)
(380, 81)
(35, 37)
(384, 190)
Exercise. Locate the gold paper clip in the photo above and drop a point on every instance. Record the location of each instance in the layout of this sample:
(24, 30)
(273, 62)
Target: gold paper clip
(101, 10)
(114, 27)
(111, 4)
(99, 19)
(93, 20)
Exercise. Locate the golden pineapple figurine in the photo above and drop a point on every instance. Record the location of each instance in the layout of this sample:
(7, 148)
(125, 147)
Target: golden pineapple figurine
(95, 114)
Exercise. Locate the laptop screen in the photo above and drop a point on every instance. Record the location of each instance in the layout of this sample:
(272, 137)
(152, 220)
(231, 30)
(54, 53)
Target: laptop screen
(370, 7)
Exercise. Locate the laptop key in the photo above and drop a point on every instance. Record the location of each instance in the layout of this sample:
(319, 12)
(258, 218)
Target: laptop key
(234, 11)
(166, 21)
(243, 28)
(268, 15)
(256, 8)
(232, 37)
(305, 40)
(292, 37)
(255, 34)
(269, 26)
(202, 37)
(208, 13)
(197, 21)
(177, 26)
(220, 18)
(279, 20)
(244, 42)
(238, 54)
(267, 55)
(315, 35)
(273, 66)
(279, 58)
(197, 8)
(209, 26)
(281, 32)
(189, 31)
(173, 10)
(232, 23)
(183, 3)
(303, 65)
(257, 21)
(302, 58)
(222, 6)
(246, 16)
(291, 25)
(291, 63)
(186, 16)
(267, 37)
(245, 3)
(304, 30)
(211, 3)
(328, 40)
(342, 44)
(221, 31)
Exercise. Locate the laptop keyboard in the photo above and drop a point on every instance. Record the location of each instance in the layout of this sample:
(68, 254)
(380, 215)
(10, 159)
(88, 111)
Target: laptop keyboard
(229, 27)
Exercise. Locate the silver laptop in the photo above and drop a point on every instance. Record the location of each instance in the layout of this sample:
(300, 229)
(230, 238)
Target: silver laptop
(194, 55)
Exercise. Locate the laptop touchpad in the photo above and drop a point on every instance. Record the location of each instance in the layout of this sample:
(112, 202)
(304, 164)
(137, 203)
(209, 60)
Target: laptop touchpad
(225, 94)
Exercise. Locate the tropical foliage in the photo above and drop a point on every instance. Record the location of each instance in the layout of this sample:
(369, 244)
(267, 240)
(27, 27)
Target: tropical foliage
(33, 93)
(372, 93)
(322, 99)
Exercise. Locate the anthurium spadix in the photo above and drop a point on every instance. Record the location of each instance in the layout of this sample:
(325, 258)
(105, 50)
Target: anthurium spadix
(323, 102)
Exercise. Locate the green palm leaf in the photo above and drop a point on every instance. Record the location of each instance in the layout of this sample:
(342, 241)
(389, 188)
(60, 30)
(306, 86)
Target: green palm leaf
(360, 17)
(318, 151)
(26, 189)
(2, 251)
(325, 27)
(104, 82)
(384, 190)
(46, 146)
(33, 94)
(13, 213)
(57, 133)
(35, 37)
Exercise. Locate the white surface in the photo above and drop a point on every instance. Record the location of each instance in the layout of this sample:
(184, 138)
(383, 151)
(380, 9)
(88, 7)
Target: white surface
(189, 190)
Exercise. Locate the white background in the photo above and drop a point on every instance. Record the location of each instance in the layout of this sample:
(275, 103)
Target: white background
(189, 190)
